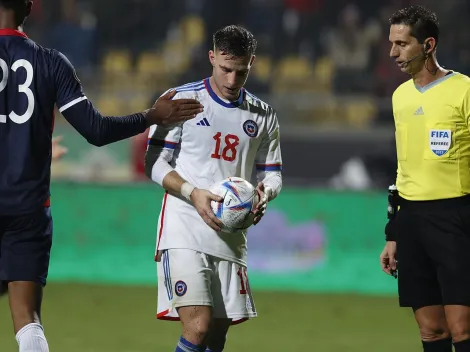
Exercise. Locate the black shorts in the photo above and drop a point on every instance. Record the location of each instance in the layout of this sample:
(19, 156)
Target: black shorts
(433, 252)
(25, 246)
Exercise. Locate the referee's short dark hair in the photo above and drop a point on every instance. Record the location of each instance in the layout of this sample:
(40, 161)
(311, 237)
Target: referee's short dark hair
(423, 22)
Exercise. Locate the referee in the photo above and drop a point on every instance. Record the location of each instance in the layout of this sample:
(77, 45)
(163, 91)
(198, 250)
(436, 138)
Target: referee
(428, 232)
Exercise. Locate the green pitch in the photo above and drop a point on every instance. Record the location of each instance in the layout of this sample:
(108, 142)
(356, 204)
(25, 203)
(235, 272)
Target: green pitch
(84, 318)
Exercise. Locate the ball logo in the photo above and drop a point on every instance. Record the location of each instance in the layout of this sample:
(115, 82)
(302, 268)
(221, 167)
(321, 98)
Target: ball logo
(440, 141)
(251, 128)
(180, 288)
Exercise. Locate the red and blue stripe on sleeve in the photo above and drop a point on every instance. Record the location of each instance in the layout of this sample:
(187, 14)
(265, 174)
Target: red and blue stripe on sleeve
(269, 167)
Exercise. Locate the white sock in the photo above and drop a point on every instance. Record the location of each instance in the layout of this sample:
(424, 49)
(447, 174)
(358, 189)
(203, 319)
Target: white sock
(31, 339)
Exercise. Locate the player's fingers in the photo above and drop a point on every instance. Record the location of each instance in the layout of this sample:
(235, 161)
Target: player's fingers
(260, 208)
(188, 102)
(189, 105)
(57, 139)
(213, 218)
(257, 219)
(392, 262)
(384, 265)
(205, 216)
(170, 94)
(262, 203)
(215, 197)
(192, 112)
(210, 221)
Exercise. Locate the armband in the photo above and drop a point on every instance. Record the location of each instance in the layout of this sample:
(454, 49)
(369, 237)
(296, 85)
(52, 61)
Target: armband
(392, 210)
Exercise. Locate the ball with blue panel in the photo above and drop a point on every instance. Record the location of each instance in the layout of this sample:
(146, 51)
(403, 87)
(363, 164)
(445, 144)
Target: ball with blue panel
(239, 199)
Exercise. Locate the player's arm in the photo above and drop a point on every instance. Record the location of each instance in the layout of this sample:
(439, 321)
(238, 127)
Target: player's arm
(162, 143)
(101, 130)
(269, 167)
(269, 160)
(387, 257)
(393, 196)
(158, 167)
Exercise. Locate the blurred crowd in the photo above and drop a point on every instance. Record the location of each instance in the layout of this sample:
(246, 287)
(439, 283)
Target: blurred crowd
(333, 53)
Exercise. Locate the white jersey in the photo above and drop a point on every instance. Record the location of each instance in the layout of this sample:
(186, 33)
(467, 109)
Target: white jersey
(227, 139)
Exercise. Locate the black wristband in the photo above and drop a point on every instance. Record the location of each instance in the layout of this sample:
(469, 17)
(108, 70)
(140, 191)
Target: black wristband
(390, 231)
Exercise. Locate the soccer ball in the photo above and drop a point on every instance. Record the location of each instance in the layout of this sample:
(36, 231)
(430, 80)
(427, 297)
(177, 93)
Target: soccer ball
(236, 209)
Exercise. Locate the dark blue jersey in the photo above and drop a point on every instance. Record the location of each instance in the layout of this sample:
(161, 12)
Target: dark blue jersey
(33, 80)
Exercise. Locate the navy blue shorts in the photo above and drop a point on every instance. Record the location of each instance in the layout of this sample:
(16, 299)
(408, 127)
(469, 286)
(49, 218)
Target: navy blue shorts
(25, 246)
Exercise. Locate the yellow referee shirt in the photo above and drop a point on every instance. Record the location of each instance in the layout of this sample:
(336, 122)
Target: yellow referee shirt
(433, 138)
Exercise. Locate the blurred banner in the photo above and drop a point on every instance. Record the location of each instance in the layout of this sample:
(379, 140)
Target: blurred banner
(309, 240)
(358, 161)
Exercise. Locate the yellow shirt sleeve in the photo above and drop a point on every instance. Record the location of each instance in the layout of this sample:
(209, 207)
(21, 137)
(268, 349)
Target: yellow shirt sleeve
(466, 108)
(396, 150)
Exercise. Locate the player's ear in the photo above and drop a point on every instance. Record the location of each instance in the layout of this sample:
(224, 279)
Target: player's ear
(212, 57)
(253, 59)
(29, 8)
(429, 45)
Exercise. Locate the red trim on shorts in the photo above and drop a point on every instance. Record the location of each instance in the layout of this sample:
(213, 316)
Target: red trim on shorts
(239, 321)
(161, 222)
(47, 203)
(162, 316)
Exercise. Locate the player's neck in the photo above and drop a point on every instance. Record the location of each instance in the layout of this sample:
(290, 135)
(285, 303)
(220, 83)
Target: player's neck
(430, 72)
(7, 21)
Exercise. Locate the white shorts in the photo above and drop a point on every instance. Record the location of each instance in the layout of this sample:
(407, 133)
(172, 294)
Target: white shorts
(190, 278)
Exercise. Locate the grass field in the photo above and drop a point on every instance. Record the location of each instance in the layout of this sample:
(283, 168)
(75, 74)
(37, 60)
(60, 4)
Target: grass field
(86, 318)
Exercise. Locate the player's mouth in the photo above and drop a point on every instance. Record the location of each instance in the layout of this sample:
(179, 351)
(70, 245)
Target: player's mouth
(401, 64)
(232, 90)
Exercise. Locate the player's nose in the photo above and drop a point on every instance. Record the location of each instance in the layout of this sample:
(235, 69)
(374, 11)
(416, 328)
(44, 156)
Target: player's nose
(232, 81)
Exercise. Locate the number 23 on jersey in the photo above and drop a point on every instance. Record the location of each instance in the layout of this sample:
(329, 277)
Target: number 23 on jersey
(22, 88)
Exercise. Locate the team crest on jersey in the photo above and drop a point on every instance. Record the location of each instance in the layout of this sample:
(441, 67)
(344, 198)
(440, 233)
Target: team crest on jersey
(439, 141)
(251, 128)
(180, 288)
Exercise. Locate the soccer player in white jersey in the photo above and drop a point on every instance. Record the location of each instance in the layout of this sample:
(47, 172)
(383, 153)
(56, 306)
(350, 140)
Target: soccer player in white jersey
(202, 272)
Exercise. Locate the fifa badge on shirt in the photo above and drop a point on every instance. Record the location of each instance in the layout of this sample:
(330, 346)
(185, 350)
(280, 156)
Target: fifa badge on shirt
(439, 141)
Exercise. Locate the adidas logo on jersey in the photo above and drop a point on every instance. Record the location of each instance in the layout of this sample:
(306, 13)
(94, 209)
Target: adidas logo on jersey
(203, 122)
(419, 111)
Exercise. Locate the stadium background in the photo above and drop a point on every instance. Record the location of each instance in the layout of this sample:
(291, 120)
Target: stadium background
(324, 65)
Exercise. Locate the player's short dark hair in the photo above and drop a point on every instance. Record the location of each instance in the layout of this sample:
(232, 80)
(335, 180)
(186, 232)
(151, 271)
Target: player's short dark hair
(13, 4)
(235, 40)
(422, 22)
(19, 7)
